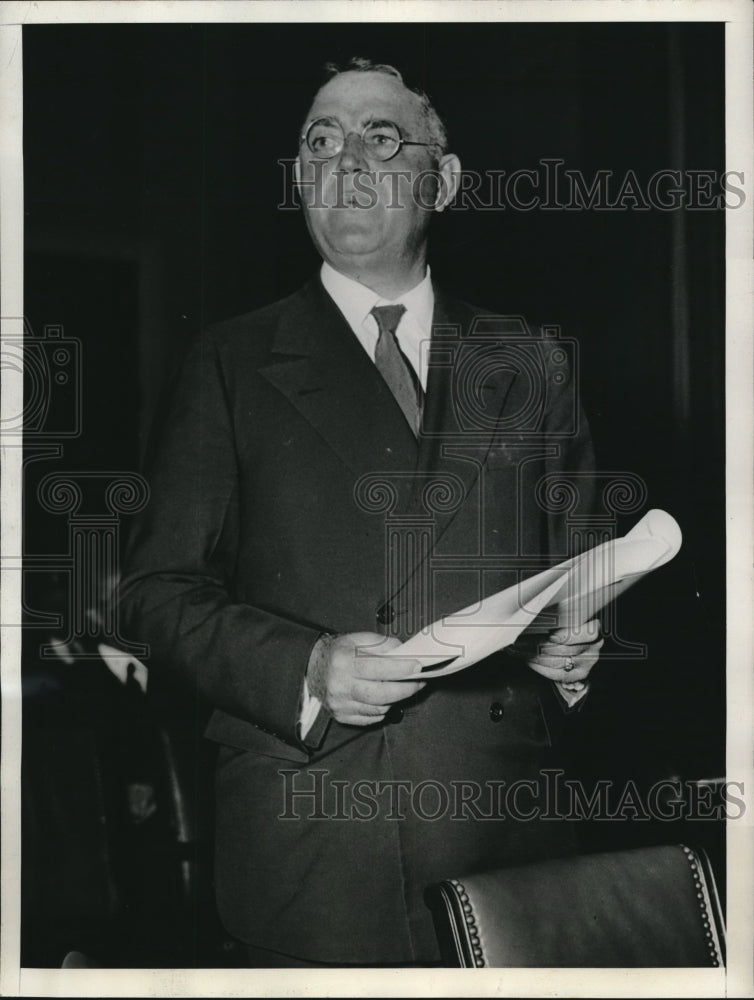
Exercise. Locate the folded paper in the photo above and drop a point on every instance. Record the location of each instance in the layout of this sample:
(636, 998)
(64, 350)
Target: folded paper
(569, 594)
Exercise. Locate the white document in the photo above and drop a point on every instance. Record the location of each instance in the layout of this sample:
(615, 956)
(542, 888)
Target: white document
(569, 594)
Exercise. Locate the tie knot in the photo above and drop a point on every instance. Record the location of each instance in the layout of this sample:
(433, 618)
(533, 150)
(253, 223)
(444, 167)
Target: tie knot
(388, 317)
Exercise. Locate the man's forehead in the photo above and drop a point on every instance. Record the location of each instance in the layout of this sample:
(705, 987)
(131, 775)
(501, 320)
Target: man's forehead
(364, 95)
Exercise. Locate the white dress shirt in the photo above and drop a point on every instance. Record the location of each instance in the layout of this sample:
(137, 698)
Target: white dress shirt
(414, 329)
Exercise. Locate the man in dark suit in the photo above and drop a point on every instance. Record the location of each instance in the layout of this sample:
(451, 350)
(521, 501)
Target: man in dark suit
(324, 486)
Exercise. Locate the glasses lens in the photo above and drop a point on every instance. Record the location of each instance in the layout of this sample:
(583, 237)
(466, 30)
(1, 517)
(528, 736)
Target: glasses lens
(324, 138)
(382, 140)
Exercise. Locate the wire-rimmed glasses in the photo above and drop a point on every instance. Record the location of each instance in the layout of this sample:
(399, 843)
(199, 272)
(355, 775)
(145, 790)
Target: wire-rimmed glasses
(325, 138)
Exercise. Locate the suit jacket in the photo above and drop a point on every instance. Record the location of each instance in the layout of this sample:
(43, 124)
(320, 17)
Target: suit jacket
(289, 498)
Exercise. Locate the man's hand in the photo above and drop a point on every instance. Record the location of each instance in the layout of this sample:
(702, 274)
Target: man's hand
(566, 656)
(355, 687)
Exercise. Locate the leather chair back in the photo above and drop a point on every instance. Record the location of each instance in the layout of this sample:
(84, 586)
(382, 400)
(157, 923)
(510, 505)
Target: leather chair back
(650, 907)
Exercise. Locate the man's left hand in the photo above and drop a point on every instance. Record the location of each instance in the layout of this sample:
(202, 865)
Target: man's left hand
(566, 656)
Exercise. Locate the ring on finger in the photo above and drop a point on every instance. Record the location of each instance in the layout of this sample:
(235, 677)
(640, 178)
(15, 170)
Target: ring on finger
(569, 664)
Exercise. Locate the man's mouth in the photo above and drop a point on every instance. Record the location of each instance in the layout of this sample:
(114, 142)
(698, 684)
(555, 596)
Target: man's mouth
(350, 199)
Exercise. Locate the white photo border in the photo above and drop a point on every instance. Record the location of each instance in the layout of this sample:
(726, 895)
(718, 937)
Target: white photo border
(737, 980)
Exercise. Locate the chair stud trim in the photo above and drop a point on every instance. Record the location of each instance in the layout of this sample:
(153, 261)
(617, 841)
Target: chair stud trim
(469, 917)
(705, 906)
(706, 911)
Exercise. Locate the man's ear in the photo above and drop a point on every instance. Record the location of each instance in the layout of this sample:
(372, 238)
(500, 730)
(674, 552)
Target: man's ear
(449, 169)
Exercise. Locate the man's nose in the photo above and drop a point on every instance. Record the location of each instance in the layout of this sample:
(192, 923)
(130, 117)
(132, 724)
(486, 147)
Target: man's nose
(352, 154)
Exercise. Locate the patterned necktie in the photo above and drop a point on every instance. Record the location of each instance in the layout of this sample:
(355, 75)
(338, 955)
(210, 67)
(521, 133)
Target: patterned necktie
(395, 367)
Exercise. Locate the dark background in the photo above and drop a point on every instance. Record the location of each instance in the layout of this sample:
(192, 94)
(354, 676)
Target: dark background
(151, 186)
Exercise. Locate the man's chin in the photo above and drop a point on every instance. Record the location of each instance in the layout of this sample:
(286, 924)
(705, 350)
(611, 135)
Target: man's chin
(353, 241)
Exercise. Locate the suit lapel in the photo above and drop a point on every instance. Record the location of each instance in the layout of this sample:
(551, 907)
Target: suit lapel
(318, 364)
(467, 390)
(464, 401)
(440, 424)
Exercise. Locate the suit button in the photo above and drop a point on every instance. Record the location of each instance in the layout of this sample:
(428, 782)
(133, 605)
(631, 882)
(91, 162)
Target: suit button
(497, 711)
(386, 614)
(395, 714)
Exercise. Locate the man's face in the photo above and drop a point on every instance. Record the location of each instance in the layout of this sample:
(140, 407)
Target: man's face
(355, 218)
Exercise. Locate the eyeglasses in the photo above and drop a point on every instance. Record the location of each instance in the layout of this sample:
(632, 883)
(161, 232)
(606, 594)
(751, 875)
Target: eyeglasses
(324, 138)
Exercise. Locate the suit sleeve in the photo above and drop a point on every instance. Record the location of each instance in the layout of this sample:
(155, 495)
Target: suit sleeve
(177, 590)
(575, 464)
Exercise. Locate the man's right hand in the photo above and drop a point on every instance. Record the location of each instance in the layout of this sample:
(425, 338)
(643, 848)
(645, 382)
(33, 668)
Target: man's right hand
(358, 687)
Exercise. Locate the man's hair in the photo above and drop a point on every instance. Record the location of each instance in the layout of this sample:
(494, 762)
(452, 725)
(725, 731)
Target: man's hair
(438, 133)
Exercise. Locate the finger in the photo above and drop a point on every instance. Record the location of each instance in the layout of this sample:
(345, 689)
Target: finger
(357, 720)
(385, 692)
(530, 644)
(573, 686)
(365, 644)
(583, 662)
(586, 633)
(389, 643)
(373, 711)
(353, 706)
(593, 627)
(562, 664)
(565, 650)
(580, 637)
(386, 668)
(350, 706)
(579, 672)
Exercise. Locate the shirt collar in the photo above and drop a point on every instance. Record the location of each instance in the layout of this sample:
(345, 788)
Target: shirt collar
(356, 301)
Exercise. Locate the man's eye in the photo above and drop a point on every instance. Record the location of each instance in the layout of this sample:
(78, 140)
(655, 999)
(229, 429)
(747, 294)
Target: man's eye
(382, 139)
(323, 142)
